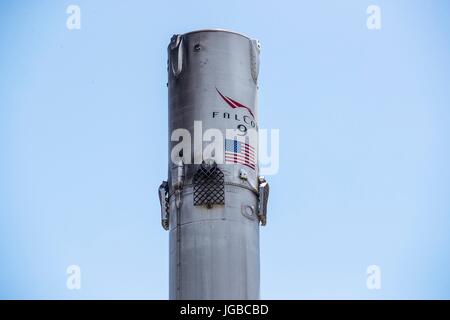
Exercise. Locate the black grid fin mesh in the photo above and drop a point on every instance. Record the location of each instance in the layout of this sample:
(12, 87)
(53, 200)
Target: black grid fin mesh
(209, 186)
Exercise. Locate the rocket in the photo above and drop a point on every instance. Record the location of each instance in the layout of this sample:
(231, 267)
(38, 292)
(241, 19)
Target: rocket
(214, 200)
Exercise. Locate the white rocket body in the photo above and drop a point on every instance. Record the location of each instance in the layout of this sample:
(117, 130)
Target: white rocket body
(213, 209)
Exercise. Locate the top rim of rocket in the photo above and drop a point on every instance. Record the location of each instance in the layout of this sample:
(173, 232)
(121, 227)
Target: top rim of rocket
(218, 30)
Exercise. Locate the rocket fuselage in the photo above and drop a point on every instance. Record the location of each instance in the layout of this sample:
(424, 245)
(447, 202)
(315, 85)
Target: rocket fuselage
(210, 206)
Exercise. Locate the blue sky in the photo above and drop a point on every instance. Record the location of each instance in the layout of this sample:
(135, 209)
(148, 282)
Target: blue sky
(363, 116)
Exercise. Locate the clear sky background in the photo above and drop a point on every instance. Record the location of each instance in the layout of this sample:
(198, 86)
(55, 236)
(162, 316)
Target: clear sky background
(364, 119)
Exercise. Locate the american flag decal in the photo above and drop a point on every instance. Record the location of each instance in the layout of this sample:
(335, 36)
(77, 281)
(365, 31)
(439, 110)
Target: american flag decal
(239, 152)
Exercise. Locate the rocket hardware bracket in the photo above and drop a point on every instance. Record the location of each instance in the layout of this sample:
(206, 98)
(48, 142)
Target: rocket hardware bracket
(163, 193)
(263, 197)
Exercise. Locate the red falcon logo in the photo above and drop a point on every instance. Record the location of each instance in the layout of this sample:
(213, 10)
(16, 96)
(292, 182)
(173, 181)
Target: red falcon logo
(233, 103)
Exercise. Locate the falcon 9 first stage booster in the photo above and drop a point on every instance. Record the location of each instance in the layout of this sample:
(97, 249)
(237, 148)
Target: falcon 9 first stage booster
(214, 199)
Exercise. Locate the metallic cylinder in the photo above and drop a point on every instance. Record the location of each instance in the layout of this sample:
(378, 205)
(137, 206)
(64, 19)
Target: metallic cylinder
(211, 207)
